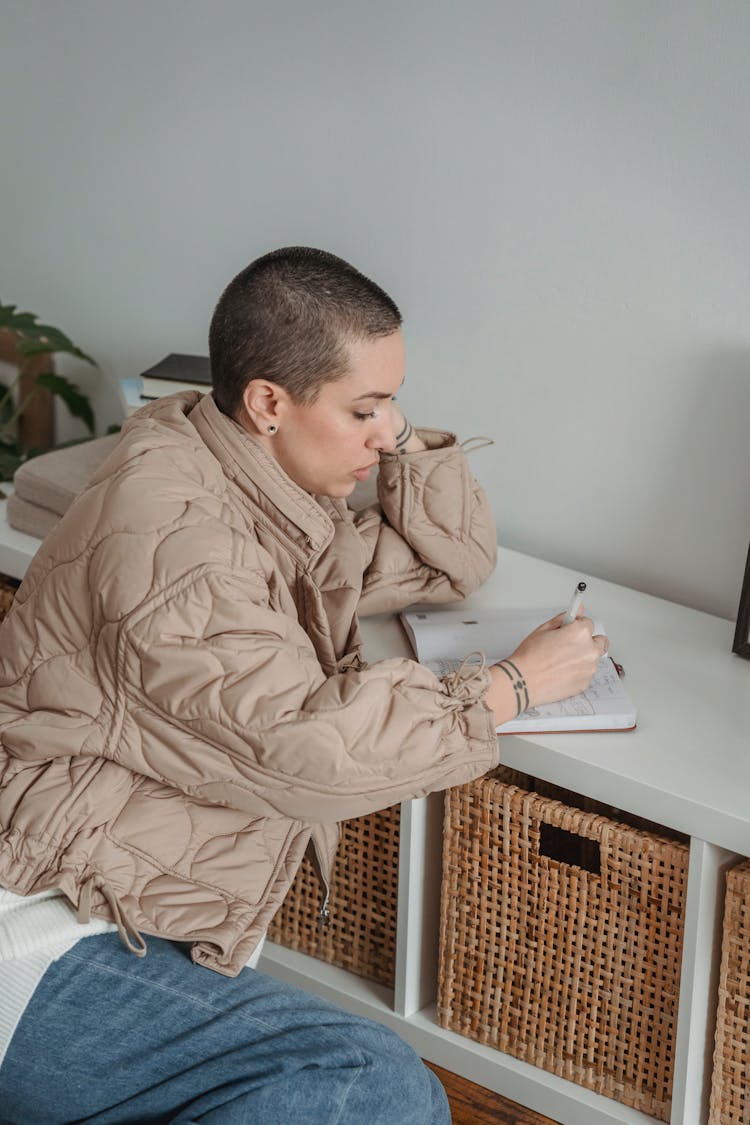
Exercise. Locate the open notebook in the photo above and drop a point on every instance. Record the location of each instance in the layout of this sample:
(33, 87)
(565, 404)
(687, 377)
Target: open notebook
(442, 638)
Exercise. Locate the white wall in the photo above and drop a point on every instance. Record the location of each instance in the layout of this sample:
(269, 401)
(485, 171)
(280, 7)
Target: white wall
(556, 194)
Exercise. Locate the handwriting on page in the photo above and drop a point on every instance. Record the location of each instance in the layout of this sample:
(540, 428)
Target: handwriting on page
(604, 688)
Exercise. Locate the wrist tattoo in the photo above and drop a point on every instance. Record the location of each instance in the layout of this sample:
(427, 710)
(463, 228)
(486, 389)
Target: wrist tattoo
(403, 437)
(519, 685)
(404, 428)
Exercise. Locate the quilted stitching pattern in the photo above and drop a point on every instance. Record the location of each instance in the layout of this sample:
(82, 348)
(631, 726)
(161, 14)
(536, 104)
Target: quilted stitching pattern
(173, 711)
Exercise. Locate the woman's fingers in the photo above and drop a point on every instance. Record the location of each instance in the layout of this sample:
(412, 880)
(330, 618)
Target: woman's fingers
(556, 622)
(559, 660)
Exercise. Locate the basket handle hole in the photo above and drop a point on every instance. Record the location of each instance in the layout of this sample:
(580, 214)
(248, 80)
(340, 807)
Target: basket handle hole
(566, 847)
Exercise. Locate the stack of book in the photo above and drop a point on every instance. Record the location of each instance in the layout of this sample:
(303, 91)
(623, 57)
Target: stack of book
(176, 372)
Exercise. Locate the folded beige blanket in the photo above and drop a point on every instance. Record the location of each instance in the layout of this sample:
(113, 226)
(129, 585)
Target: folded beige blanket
(30, 517)
(47, 485)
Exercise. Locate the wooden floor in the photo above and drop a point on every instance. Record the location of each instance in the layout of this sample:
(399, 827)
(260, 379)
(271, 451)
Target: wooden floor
(473, 1105)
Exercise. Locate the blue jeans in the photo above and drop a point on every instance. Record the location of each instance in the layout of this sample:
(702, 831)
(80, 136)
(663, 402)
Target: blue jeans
(112, 1038)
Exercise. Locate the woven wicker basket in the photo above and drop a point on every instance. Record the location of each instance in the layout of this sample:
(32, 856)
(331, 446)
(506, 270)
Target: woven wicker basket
(361, 933)
(561, 938)
(730, 1091)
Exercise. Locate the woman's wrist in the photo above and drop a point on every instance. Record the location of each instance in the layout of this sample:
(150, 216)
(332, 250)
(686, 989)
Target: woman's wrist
(411, 442)
(405, 436)
(508, 695)
(518, 683)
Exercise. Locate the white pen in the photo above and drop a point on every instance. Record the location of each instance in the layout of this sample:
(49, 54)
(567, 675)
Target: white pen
(575, 604)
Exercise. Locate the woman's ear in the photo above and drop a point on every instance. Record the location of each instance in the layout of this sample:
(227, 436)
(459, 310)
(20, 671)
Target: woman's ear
(261, 401)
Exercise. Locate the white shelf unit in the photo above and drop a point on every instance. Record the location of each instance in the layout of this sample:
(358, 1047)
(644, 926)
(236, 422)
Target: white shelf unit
(415, 1018)
(686, 766)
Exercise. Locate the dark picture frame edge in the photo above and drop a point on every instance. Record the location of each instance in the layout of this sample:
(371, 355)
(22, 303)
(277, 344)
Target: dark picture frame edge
(741, 645)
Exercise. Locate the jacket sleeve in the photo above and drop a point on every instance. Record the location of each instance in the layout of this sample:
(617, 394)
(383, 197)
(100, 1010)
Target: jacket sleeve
(243, 715)
(432, 537)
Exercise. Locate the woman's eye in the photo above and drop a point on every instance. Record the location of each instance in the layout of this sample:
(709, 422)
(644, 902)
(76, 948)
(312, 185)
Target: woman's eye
(364, 417)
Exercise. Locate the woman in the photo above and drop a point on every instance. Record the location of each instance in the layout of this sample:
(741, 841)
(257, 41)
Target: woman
(184, 709)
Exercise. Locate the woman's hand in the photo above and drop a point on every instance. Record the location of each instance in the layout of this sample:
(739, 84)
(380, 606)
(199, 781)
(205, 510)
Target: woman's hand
(553, 662)
(404, 433)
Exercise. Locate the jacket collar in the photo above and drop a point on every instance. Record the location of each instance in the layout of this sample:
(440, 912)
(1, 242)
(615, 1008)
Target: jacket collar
(259, 477)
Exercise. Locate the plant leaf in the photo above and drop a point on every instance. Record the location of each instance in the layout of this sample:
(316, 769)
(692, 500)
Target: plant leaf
(38, 339)
(77, 403)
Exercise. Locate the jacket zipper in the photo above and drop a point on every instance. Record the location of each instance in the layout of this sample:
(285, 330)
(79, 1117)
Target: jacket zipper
(324, 912)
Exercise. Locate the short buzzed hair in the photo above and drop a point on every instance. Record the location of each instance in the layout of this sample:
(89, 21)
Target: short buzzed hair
(289, 317)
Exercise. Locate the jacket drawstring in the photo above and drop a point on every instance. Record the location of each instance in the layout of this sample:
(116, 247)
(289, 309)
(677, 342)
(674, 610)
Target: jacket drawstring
(126, 927)
(469, 669)
(478, 442)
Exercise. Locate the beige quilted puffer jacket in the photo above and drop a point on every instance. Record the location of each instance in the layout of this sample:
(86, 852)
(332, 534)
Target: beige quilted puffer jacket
(182, 700)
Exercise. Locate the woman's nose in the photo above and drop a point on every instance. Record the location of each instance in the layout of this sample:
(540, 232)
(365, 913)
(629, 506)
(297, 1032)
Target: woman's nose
(383, 437)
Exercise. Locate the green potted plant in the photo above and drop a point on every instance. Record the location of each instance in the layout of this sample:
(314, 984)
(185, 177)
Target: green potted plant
(28, 342)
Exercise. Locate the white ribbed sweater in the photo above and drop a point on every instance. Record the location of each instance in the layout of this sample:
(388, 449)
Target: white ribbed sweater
(34, 932)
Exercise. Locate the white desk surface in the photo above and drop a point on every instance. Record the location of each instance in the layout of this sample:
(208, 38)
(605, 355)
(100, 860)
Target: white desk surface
(16, 548)
(687, 765)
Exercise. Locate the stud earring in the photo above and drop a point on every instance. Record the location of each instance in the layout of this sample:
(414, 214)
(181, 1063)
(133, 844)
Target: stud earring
(272, 429)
